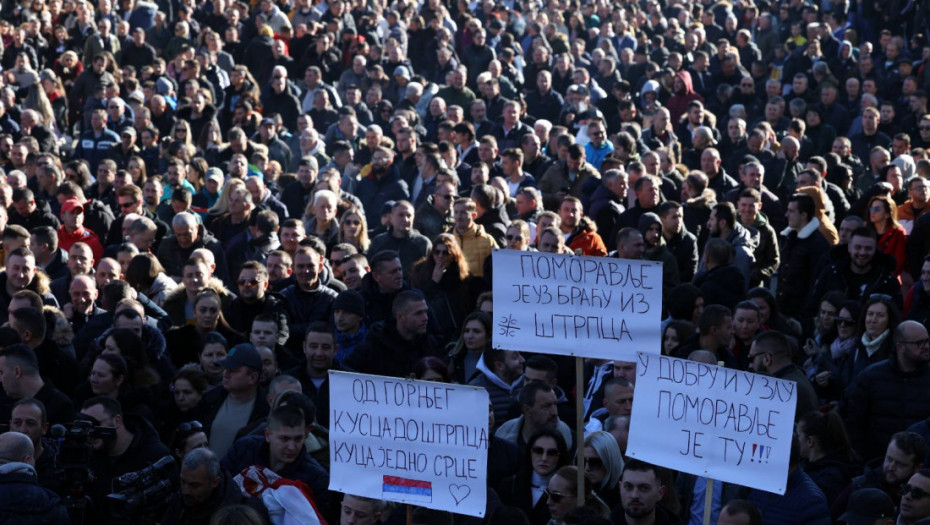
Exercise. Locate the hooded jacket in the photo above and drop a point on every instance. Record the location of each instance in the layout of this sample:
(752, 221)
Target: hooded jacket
(650, 86)
(502, 394)
(660, 253)
(24, 501)
(678, 103)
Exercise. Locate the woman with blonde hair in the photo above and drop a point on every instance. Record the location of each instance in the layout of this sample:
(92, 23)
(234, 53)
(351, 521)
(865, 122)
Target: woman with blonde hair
(37, 100)
(136, 169)
(181, 132)
(55, 92)
(222, 203)
(353, 229)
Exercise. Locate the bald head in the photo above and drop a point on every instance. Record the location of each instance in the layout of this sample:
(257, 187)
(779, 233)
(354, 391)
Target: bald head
(703, 356)
(16, 448)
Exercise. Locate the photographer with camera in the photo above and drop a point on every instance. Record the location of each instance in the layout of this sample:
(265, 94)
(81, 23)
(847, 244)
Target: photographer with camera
(205, 488)
(22, 499)
(135, 446)
(282, 450)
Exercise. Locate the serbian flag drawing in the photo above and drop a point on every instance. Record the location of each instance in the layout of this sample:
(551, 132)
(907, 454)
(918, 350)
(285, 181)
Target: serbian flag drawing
(411, 490)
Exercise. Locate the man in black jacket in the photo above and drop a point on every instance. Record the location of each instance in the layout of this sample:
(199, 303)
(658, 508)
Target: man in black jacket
(859, 273)
(802, 247)
(205, 488)
(888, 396)
(189, 236)
(394, 346)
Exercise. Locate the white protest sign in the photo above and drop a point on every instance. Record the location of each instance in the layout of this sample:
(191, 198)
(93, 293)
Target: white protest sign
(596, 307)
(409, 441)
(712, 421)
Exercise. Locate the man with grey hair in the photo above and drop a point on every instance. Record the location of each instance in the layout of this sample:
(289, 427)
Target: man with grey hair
(31, 125)
(354, 76)
(188, 236)
(412, 95)
(23, 500)
(204, 488)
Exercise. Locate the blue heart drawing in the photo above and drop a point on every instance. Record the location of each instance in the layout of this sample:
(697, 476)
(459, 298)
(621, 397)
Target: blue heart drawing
(459, 492)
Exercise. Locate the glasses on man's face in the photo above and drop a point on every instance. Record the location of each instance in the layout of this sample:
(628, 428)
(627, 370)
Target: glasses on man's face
(249, 282)
(915, 492)
(124, 205)
(924, 128)
(444, 195)
(513, 237)
(920, 343)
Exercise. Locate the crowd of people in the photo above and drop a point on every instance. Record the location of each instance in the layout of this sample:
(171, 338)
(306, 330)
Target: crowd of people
(207, 206)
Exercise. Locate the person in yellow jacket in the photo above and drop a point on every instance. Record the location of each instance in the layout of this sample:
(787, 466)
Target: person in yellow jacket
(476, 244)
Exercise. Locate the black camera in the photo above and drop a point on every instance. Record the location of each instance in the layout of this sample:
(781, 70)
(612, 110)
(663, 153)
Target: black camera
(75, 451)
(138, 493)
(75, 442)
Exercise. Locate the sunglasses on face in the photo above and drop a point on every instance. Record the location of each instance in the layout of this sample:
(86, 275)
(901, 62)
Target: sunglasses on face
(915, 492)
(593, 463)
(845, 321)
(545, 452)
(248, 282)
(555, 497)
